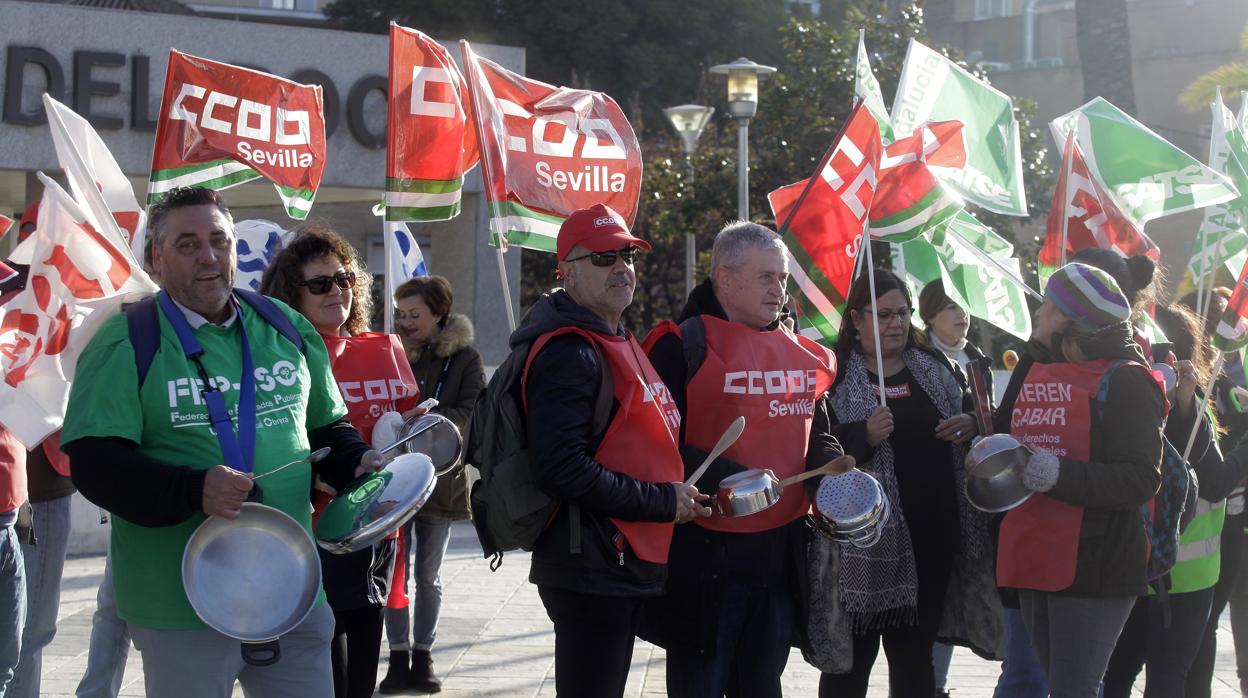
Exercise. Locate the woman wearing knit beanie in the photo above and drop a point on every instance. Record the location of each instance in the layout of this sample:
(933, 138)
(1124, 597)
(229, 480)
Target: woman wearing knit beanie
(1087, 406)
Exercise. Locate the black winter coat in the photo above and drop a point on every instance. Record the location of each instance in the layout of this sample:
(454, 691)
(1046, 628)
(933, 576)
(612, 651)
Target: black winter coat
(702, 561)
(561, 388)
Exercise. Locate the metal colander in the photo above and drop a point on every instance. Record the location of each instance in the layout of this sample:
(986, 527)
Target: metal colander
(851, 508)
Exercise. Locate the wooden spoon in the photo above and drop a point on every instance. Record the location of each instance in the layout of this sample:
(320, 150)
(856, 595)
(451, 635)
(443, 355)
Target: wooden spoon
(832, 467)
(731, 434)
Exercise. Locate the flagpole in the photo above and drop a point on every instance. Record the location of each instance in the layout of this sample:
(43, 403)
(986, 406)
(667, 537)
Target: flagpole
(875, 318)
(1200, 278)
(387, 320)
(1204, 403)
(502, 274)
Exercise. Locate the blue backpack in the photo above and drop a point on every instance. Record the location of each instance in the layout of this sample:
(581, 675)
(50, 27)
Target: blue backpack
(1174, 505)
(143, 325)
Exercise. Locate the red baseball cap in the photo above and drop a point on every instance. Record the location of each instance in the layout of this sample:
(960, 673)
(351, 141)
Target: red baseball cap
(597, 229)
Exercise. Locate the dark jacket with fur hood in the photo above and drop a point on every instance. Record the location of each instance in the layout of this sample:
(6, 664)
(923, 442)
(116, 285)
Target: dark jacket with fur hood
(451, 351)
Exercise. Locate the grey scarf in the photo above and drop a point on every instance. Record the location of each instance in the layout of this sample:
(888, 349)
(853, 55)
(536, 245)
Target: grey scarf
(879, 585)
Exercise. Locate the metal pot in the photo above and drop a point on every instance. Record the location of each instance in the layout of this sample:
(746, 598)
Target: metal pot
(376, 504)
(994, 473)
(253, 579)
(747, 492)
(436, 437)
(754, 490)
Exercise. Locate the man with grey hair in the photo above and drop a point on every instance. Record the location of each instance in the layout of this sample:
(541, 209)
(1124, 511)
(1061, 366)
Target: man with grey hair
(733, 600)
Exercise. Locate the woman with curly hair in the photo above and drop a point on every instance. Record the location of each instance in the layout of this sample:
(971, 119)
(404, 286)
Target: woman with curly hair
(320, 275)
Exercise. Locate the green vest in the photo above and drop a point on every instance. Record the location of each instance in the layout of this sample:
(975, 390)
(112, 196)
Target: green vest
(1200, 555)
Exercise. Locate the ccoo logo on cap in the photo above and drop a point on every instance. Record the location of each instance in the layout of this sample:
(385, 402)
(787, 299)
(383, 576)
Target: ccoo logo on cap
(597, 229)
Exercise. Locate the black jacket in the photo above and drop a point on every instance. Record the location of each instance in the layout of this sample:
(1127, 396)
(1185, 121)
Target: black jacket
(687, 616)
(561, 388)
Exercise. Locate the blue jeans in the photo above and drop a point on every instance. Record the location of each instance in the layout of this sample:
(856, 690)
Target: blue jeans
(751, 647)
(45, 562)
(942, 657)
(12, 599)
(1021, 673)
(426, 541)
(110, 644)
(1074, 637)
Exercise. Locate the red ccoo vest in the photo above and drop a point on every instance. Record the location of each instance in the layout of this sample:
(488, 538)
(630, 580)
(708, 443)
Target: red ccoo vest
(774, 380)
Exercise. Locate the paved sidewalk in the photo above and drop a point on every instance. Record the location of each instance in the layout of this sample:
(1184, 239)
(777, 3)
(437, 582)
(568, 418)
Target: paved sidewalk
(495, 639)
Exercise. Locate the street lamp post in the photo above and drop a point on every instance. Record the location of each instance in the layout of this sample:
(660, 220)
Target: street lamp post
(689, 120)
(743, 76)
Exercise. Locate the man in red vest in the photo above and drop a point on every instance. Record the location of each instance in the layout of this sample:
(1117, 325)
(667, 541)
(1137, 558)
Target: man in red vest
(619, 487)
(732, 602)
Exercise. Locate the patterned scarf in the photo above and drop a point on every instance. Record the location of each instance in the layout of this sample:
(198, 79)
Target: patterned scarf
(879, 585)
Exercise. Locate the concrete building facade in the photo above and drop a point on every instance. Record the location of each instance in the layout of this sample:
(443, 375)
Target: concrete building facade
(109, 65)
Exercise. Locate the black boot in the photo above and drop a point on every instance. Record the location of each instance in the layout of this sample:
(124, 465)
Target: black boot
(398, 675)
(422, 677)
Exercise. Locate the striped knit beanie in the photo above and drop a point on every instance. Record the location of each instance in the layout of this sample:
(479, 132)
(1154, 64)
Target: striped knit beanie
(1088, 296)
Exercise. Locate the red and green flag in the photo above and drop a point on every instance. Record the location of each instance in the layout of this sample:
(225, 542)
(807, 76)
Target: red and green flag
(1232, 331)
(823, 219)
(910, 200)
(547, 151)
(221, 125)
(1083, 214)
(430, 141)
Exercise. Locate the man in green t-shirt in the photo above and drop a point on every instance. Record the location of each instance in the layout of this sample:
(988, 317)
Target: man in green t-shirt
(145, 450)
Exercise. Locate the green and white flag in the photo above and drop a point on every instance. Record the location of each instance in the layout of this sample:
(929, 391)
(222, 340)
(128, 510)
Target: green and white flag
(867, 88)
(934, 88)
(1221, 240)
(977, 270)
(1145, 174)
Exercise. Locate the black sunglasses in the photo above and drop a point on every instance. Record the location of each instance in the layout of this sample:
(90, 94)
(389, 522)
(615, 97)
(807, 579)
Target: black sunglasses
(320, 285)
(607, 259)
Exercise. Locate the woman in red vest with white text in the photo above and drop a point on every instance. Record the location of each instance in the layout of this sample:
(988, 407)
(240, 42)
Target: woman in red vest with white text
(1077, 550)
(930, 574)
(319, 275)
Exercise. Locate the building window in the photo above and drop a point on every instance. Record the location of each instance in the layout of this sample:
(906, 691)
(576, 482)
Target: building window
(987, 9)
(286, 4)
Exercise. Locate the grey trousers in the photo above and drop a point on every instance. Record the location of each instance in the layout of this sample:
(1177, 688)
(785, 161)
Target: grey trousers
(205, 663)
(1074, 637)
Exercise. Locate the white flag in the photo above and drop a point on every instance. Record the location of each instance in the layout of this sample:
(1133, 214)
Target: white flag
(78, 278)
(94, 176)
(258, 242)
(403, 257)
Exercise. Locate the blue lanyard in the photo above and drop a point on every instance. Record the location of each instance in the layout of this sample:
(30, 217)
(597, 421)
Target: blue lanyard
(238, 449)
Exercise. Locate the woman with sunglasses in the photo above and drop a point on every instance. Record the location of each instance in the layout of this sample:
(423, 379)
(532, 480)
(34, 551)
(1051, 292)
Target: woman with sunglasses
(448, 369)
(931, 572)
(319, 275)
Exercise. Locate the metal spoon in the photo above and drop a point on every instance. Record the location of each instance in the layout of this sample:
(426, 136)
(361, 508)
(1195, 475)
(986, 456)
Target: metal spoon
(313, 457)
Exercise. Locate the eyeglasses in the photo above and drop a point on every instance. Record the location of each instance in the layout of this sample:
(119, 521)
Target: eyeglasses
(885, 315)
(607, 259)
(320, 285)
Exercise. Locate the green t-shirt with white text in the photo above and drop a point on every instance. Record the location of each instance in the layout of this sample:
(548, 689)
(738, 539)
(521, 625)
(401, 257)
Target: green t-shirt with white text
(295, 393)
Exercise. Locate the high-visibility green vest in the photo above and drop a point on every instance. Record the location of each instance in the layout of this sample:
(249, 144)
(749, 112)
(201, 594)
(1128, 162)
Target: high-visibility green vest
(1200, 554)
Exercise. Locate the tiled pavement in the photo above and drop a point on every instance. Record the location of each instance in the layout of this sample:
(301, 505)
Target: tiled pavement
(495, 639)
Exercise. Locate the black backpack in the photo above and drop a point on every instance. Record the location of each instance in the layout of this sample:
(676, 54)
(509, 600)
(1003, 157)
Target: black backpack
(143, 325)
(509, 509)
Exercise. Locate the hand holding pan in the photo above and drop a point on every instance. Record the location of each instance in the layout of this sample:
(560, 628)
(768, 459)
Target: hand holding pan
(730, 436)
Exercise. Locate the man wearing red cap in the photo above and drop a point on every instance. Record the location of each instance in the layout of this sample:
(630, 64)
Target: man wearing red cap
(606, 548)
